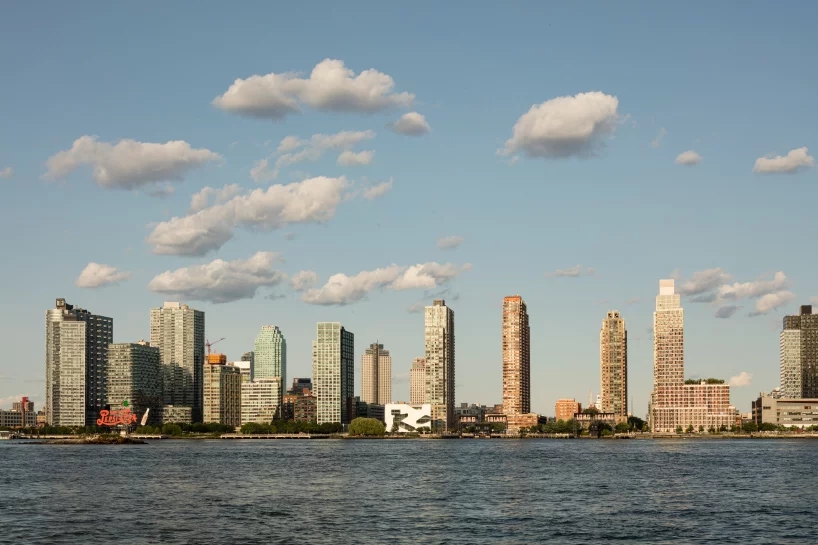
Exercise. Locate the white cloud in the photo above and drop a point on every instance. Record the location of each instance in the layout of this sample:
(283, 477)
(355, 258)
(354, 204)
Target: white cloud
(742, 379)
(411, 124)
(372, 193)
(220, 281)
(331, 87)
(572, 272)
(303, 280)
(714, 286)
(351, 159)
(416, 308)
(201, 199)
(96, 275)
(7, 172)
(771, 301)
(310, 201)
(688, 158)
(341, 289)
(656, 142)
(795, 160)
(161, 191)
(564, 126)
(129, 164)
(294, 150)
(261, 171)
(449, 243)
(703, 281)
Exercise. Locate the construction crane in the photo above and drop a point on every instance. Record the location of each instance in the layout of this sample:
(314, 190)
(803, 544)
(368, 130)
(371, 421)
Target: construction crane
(208, 344)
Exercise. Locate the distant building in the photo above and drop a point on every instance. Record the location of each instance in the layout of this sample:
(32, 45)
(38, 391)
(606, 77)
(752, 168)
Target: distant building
(417, 382)
(299, 403)
(376, 375)
(244, 369)
(270, 355)
(178, 331)
(799, 355)
(248, 357)
(260, 400)
(222, 393)
(333, 372)
(171, 414)
(565, 409)
(674, 404)
(76, 354)
(789, 412)
(439, 343)
(613, 366)
(402, 418)
(134, 375)
(21, 415)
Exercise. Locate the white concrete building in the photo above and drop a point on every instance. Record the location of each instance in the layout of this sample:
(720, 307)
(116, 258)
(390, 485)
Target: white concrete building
(333, 372)
(403, 418)
(259, 400)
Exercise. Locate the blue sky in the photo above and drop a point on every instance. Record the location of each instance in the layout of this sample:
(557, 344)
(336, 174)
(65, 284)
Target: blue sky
(593, 184)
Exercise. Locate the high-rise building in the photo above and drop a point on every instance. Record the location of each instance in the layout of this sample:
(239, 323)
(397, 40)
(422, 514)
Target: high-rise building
(178, 331)
(613, 366)
(134, 375)
(76, 355)
(799, 355)
(248, 357)
(674, 404)
(333, 372)
(439, 345)
(376, 375)
(221, 394)
(269, 359)
(244, 369)
(516, 357)
(417, 382)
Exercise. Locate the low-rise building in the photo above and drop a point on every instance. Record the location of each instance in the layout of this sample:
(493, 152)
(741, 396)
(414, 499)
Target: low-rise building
(789, 412)
(404, 418)
(565, 408)
(299, 403)
(260, 399)
(171, 414)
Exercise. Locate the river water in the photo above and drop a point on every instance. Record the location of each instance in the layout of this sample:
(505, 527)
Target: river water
(420, 492)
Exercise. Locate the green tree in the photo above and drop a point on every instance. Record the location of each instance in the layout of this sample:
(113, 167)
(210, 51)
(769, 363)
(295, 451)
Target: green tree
(678, 429)
(636, 423)
(749, 427)
(622, 427)
(689, 428)
(712, 429)
(767, 426)
(172, 429)
(368, 427)
(591, 410)
(701, 429)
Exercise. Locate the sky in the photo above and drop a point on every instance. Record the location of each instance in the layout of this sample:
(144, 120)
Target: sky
(288, 164)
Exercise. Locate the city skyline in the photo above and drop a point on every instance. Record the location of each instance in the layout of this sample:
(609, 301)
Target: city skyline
(408, 196)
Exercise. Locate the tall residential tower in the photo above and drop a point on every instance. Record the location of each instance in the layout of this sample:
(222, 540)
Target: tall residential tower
(516, 357)
(417, 382)
(269, 356)
(799, 355)
(333, 372)
(613, 365)
(178, 332)
(439, 343)
(376, 375)
(76, 355)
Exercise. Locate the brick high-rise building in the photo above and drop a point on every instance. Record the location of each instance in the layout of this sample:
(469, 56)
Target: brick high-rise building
(417, 382)
(613, 365)
(565, 409)
(516, 357)
(376, 375)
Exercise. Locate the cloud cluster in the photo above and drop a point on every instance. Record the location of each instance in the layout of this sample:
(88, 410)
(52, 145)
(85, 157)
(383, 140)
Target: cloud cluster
(564, 127)
(331, 86)
(794, 161)
(716, 286)
(294, 150)
(411, 124)
(378, 190)
(314, 200)
(129, 164)
(688, 158)
(341, 289)
(742, 379)
(571, 272)
(97, 275)
(449, 243)
(7, 172)
(220, 281)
